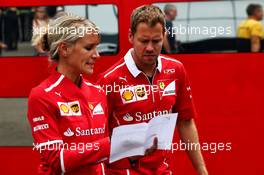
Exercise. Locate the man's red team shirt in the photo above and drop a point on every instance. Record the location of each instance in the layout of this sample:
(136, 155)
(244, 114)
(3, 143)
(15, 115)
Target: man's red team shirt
(61, 113)
(132, 99)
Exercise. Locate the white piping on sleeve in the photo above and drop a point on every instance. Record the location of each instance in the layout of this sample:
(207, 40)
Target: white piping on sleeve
(62, 161)
(48, 143)
(103, 169)
(55, 84)
(90, 84)
(170, 59)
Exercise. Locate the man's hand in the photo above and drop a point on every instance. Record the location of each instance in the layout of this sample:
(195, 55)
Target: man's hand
(188, 133)
(255, 44)
(153, 148)
(202, 170)
(148, 151)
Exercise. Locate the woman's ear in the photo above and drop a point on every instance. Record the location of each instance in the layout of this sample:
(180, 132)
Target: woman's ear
(63, 49)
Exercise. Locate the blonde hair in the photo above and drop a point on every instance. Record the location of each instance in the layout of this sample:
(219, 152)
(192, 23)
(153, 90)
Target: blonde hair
(66, 28)
(149, 14)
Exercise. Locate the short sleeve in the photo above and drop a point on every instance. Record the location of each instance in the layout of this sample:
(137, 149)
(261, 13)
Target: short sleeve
(43, 121)
(184, 102)
(257, 30)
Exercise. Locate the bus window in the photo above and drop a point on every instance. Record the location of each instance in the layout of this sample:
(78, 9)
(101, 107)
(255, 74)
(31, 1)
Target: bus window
(18, 23)
(207, 26)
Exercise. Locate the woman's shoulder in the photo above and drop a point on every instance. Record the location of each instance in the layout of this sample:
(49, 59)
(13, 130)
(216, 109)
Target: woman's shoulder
(39, 90)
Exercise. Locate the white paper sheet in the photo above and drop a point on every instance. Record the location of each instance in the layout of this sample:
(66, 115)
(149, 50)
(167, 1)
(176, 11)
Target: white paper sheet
(134, 139)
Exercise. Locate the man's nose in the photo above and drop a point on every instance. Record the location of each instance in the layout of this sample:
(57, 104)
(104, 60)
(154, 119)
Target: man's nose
(150, 47)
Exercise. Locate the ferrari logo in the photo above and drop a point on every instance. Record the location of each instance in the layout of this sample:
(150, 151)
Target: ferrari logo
(161, 85)
(91, 106)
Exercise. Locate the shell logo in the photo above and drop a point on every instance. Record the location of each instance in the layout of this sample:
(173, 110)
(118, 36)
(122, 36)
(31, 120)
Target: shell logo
(64, 108)
(127, 95)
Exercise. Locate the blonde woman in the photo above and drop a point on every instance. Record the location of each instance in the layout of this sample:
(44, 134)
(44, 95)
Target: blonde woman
(67, 114)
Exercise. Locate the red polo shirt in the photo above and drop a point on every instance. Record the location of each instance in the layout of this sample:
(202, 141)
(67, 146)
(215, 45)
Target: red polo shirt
(133, 98)
(60, 113)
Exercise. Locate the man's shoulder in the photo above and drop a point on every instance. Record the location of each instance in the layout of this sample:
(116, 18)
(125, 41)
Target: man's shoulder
(170, 62)
(255, 23)
(114, 70)
(168, 23)
(251, 23)
(171, 65)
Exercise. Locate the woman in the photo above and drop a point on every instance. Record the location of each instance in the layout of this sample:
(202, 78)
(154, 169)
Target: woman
(67, 114)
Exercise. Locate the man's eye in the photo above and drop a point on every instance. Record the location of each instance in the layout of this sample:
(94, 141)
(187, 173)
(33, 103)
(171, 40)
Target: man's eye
(88, 48)
(144, 41)
(156, 41)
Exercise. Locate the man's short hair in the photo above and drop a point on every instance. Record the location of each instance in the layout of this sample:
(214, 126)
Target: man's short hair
(149, 14)
(169, 7)
(251, 8)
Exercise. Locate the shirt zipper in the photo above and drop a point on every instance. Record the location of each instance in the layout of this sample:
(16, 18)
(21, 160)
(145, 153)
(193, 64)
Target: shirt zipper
(151, 83)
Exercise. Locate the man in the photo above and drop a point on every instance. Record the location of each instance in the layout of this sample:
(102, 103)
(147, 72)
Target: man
(156, 85)
(11, 28)
(251, 28)
(170, 39)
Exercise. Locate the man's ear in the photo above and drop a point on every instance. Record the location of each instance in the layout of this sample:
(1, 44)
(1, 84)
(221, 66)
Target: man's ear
(130, 36)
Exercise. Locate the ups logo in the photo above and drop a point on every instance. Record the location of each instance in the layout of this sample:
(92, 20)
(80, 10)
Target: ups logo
(140, 91)
(75, 108)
